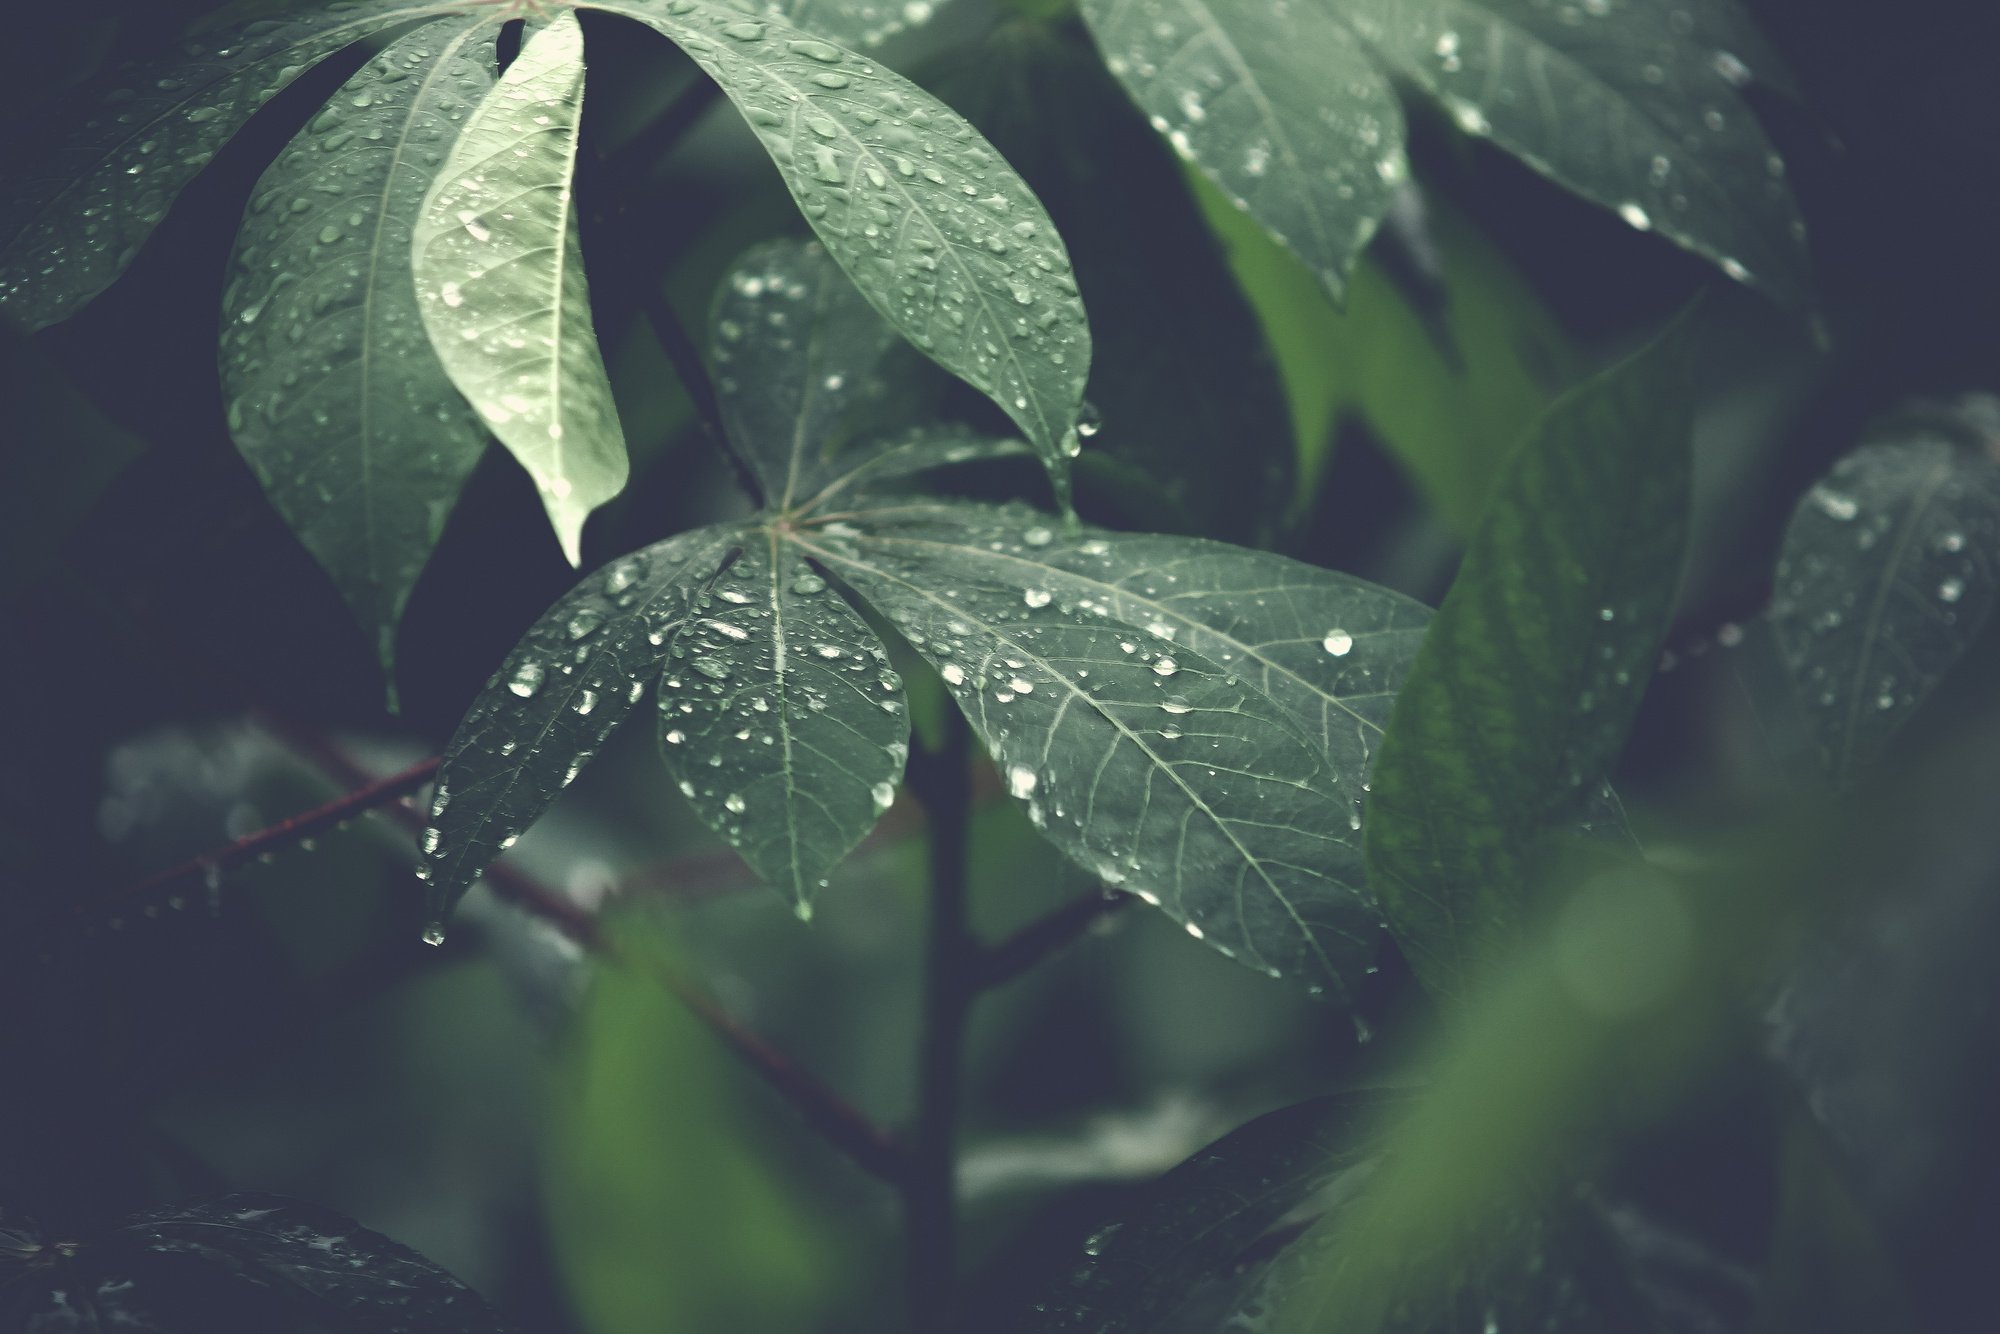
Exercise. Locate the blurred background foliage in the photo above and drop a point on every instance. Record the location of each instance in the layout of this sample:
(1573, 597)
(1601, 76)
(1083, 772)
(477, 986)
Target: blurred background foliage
(180, 673)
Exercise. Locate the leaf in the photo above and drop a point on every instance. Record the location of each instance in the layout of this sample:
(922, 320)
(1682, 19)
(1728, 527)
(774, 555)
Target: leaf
(935, 229)
(794, 343)
(71, 227)
(500, 283)
(335, 397)
(1527, 683)
(572, 679)
(1155, 765)
(784, 724)
(1178, 363)
(1636, 106)
(859, 23)
(1277, 104)
(1885, 578)
(242, 1262)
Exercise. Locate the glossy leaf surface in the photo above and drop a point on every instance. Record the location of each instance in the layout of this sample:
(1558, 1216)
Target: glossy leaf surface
(1885, 578)
(1523, 691)
(933, 227)
(1158, 767)
(1277, 104)
(500, 283)
(781, 718)
(72, 226)
(335, 397)
(857, 23)
(571, 680)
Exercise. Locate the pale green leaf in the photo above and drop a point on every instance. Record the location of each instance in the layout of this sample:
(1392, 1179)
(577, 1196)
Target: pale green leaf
(1886, 576)
(935, 229)
(1523, 691)
(500, 283)
(1154, 765)
(572, 679)
(858, 23)
(335, 397)
(782, 720)
(1275, 103)
(68, 229)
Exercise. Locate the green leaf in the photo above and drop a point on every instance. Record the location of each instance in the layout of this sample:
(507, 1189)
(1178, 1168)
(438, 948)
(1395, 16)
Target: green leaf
(1526, 685)
(1636, 106)
(1176, 364)
(859, 23)
(1137, 731)
(571, 680)
(782, 720)
(335, 397)
(1277, 104)
(71, 227)
(794, 343)
(935, 229)
(499, 277)
(1885, 578)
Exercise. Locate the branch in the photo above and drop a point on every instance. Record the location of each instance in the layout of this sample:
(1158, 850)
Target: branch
(1000, 964)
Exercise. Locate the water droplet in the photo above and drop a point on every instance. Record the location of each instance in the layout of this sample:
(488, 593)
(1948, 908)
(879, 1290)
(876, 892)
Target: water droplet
(1038, 537)
(1951, 590)
(1338, 642)
(1176, 704)
(527, 679)
(434, 934)
(733, 803)
(1195, 931)
(953, 674)
(883, 795)
(1165, 666)
(1635, 216)
(1021, 781)
(1036, 597)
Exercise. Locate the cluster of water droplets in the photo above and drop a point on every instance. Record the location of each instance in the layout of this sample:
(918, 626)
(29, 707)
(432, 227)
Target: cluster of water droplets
(865, 23)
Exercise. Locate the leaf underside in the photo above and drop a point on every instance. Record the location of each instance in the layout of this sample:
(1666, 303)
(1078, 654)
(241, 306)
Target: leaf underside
(335, 397)
(1526, 686)
(1636, 106)
(500, 283)
(1885, 578)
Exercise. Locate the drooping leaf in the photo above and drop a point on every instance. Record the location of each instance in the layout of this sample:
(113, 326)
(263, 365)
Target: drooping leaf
(1886, 576)
(1449, 387)
(1526, 685)
(335, 397)
(1636, 106)
(1277, 104)
(935, 229)
(794, 342)
(857, 23)
(571, 680)
(68, 229)
(1178, 362)
(782, 720)
(1154, 765)
(237, 1262)
(500, 283)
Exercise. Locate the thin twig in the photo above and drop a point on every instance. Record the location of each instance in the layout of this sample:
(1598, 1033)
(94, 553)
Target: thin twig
(693, 371)
(942, 780)
(1000, 964)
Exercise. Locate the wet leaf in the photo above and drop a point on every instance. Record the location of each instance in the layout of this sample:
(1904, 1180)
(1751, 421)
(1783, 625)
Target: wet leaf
(930, 223)
(781, 718)
(571, 680)
(500, 283)
(1116, 711)
(1525, 688)
(794, 343)
(1278, 104)
(335, 396)
(858, 23)
(1886, 576)
(73, 224)
(242, 1262)
(1635, 106)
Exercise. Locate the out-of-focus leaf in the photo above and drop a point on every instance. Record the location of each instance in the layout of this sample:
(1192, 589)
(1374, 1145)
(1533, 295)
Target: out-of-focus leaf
(63, 454)
(234, 1262)
(1886, 576)
(1526, 685)
(73, 224)
(782, 720)
(930, 223)
(335, 397)
(571, 680)
(662, 1216)
(500, 283)
(1180, 376)
(1119, 684)
(858, 23)
(1448, 390)
(1636, 106)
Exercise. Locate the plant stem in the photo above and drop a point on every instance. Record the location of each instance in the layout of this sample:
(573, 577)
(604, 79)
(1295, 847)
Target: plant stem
(943, 782)
(693, 371)
(1000, 964)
